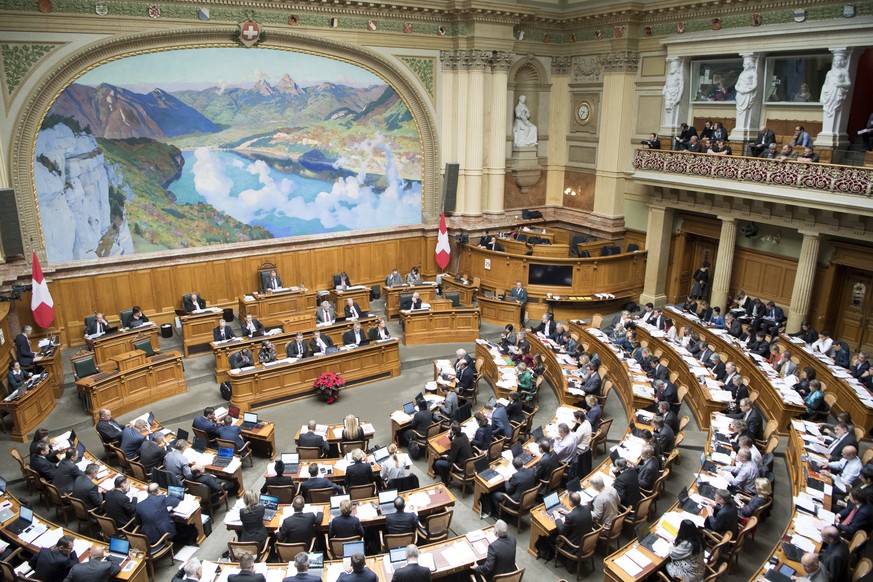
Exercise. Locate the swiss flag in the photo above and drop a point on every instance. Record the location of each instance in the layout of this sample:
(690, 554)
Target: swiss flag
(443, 250)
(41, 302)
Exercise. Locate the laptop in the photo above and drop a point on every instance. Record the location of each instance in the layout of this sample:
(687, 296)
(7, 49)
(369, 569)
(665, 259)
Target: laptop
(484, 470)
(250, 420)
(316, 564)
(792, 552)
(537, 434)
(386, 501)
(420, 401)
(199, 445)
(518, 451)
(396, 559)
(24, 521)
(118, 550)
(349, 550)
(552, 502)
(335, 504)
(291, 462)
(646, 538)
(709, 466)
(271, 506)
(182, 435)
(706, 490)
(686, 503)
(380, 454)
(409, 408)
(225, 456)
(780, 573)
(176, 491)
(233, 412)
(492, 402)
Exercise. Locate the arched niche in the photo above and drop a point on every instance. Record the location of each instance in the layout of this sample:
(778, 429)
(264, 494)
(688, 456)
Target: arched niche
(528, 77)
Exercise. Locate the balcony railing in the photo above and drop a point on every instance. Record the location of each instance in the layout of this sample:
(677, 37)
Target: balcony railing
(823, 177)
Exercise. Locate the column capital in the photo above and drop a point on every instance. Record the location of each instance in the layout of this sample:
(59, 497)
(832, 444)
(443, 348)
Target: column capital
(809, 233)
(620, 62)
(561, 65)
(475, 60)
(450, 60)
(501, 61)
(728, 219)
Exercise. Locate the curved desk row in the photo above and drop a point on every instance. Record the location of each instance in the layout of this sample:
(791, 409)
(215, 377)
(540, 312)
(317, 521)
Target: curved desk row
(113, 344)
(498, 311)
(427, 292)
(30, 410)
(272, 307)
(779, 404)
(852, 396)
(265, 385)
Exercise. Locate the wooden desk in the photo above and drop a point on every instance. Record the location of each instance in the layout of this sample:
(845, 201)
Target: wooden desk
(136, 573)
(466, 291)
(594, 247)
(223, 350)
(197, 328)
(584, 306)
(30, 410)
(770, 401)
(440, 444)
(361, 297)
(498, 311)
(460, 324)
(121, 341)
(392, 297)
(262, 437)
(400, 421)
(126, 390)
(333, 433)
(844, 389)
(558, 251)
(334, 469)
(54, 365)
(268, 385)
(271, 308)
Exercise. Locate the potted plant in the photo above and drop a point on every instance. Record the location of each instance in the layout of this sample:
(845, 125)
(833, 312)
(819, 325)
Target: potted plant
(328, 386)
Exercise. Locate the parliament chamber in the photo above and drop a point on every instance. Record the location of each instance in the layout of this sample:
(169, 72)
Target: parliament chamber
(590, 280)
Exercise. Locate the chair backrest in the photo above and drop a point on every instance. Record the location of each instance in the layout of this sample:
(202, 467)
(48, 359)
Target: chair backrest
(17, 456)
(509, 576)
(716, 574)
(139, 542)
(516, 431)
(603, 429)
(682, 391)
(90, 319)
(79, 509)
(437, 524)
(597, 320)
(589, 541)
(555, 477)
(309, 453)
(496, 448)
(285, 493)
(683, 422)
(631, 247)
(84, 367)
(322, 495)
(407, 483)
(470, 465)
(107, 525)
(618, 524)
(199, 490)
(237, 549)
(455, 298)
(165, 478)
(859, 436)
(287, 552)
(137, 471)
(347, 447)
(858, 541)
(741, 539)
(434, 430)
(644, 506)
(770, 428)
(867, 456)
(400, 540)
(362, 491)
(144, 345)
(528, 499)
(124, 316)
(679, 438)
(335, 546)
(406, 301)
(225, 444)
(753, 394)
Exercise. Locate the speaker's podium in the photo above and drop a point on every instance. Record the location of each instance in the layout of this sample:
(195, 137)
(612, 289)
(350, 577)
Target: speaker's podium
(440, 324)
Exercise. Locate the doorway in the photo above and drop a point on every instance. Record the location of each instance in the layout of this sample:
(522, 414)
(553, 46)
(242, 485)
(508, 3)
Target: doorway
(855, 317)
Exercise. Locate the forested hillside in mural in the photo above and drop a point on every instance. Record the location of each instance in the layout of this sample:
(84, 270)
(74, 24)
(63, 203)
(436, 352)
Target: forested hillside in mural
(185, 148)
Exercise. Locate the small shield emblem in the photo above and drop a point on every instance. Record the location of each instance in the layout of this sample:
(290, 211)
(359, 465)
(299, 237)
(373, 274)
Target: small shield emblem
(680, 26)
(716, 23)
(598, 34)
(249, 33)
(45, 6)
(154, 11)
(372, 25)
(648, 31)
(203, 14)
(441, 30)
(407, 27)
(293, 20)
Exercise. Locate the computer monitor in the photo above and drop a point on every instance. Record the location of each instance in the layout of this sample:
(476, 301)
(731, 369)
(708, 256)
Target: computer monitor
(552, 500)
(409, 408)
(397, 555)
(250, 417)
(352, 548)
(119, 546)
(269, 501)
(337, 499)
(387, 496)
(175, 491)
(25, 513)
(290, 458)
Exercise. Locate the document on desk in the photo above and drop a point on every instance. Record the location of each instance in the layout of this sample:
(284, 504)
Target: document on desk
(629, 566)
(365, 512)
(638, 557)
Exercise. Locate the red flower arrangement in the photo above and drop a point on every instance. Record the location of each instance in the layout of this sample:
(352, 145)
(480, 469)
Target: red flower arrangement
(328, 386)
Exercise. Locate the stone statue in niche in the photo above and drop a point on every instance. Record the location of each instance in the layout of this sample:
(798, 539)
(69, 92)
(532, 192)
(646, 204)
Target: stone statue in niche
(836, 85)
(747, 86)
(674, 85)
(524, 133)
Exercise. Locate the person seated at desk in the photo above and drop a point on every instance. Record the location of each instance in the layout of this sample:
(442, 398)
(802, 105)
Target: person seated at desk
(54, 563)
(848, 467)
(753, 419)
(176, 463)
(763, 494)
(317, 482)
(355, 336)
(459, 451)
(379, 332)
(154, 514)
(716, 320)
(414, 277)
(247, 570)
(98, 326)
(421, 421)
(342, 280)
(194, 302)
(359, 472)
(86, 490)
(546, 326)
(251, 515)
(345, 525)
(95, 569)
(222, 332)
(737, 388)
(522, 345)
(16, 377)
(843, 437)
(687, 554)
(252, 327)
(627, 484)
(742, 475)
(137, 318)
(576, 521)
(117, 504)
(273, 281)
(416, 302)
(310, 438)
(241, 359)
(500, 422)
(814, 401)
(107, 427)
(325, 314)
(593, 383)
(723, 517)
(518, 294)
(216, 486)
(483, 437)
(465, 375)
(230, 432)
(206, 422)
(132, 438)
(524, 479)
(152, 452)
(299, 527)
(396, 466)
(298, 348)
(352, 310)
(40, 462)
(857, 515)
(493, 245)
(773, 318)
(67, 471)
(395, 279)
(279, 479)
(501, 554)
(352, 429)
(648, 469)
(267, 353)
(401, 521)
(823, 344)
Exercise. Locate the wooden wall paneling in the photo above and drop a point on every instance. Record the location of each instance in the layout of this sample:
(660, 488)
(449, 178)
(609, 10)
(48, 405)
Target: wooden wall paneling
(823, 296)
(634, 236)
(674, 269)
(764, 275)
(6, 343)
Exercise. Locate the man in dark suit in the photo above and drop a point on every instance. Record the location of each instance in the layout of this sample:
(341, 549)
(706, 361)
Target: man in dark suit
(665, 391)
(465, 375)
(326, 313)
(759, 345)
(85, 489)
(577, 521)
(843, 438)
(754, 420)
(252, 327)
(546, 326)
(459, 452)
(627, 484)
(766, 136)
(246, 570)
(359, 471)
(316, 482)
(108, 428)
(297, 348)
(352, 310)
(664, 435)
(301, 563)
(773, 318)
(216, 486)
(360, 572)
(548, 460)
(401, 521)
(117, 504)
(593, 383)
(648, 469)
(723, 517)
(132, 438)
(222, 332)
(671, 419)
(354, 336)
(493, 245)
(277, 480)
(67, 471)
(858, 514)
(194, 302)
(421, 421)
(299, 527)
(22, 346)
(206, 422)
(658, 371)
(501, 554)
(834, 554)
(411, 572)
(152, 452)
(379, 332)
(41, 464)
(95, 569)
(312, 439)
(733, 325)
(273, 281)
(522, 480)
(16, 377)
(717, 366)
(98, 325)
(416, 302)
(54, 563)
(153, 512)
(230, 432)
(319, 342)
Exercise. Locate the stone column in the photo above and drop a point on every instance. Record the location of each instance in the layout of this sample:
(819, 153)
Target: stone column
(614, 152)
(675, 94)
(836, 98)
(803, 281)
(559, 112)
(724, 263)
(474, 61)
(750, 90)
(495, 155)
(449, 117)
(659, 231)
